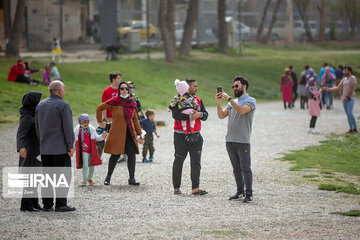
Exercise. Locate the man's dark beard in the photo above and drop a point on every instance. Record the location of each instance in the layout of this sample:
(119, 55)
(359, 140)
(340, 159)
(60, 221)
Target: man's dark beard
(238, 93)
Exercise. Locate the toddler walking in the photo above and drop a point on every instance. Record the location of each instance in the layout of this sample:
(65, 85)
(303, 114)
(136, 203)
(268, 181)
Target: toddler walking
(148, 125)
(186, 103)
(87, 155)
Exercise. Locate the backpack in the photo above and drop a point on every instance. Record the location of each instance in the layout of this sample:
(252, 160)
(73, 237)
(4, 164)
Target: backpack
(328, 81)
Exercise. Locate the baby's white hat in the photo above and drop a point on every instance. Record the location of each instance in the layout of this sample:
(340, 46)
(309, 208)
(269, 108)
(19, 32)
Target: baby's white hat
(181, 86)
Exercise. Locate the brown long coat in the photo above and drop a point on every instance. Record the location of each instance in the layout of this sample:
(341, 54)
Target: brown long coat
(115, 142)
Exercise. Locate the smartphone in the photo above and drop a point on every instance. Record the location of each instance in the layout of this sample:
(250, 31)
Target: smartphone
(219, 89)
(107, 127)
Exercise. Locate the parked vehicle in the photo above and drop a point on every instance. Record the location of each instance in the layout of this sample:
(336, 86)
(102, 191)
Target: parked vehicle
(279, 31)
(179, 32)
(127, 26)
(337, 31)
(245, 30)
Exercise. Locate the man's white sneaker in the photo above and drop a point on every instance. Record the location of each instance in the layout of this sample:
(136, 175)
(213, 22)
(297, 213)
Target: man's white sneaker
(310, 130)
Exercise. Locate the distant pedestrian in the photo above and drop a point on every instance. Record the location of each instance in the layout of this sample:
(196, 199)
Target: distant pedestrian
(56, 50)
(149, 127)
(339, 73)
(348, 84)
(302, 88)
(328, 80)
(314, 96)
(318, 80)
(295, 86)
(286, 87)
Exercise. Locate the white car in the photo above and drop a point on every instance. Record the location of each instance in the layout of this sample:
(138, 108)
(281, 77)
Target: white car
(179, 31)
(245, 30)
(279, 31)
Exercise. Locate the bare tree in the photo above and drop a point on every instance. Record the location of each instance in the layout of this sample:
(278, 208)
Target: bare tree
(191, 18)
(302, 6)
(351, 10)
(222, 33)
(167, 29)
(273, 20)
(263, 17)
(321, 9)
(13, 30)
(290, 22)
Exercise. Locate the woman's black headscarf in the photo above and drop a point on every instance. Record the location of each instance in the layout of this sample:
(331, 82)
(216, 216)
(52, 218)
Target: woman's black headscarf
(29, 102)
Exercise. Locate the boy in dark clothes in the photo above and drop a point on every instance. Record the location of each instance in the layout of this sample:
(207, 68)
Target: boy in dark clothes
(148, 125)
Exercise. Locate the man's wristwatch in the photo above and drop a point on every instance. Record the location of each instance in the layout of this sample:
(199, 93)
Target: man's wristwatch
(229, 99)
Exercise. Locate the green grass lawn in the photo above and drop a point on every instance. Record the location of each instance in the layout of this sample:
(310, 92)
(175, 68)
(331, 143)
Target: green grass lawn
(154, 79)
(338, 154)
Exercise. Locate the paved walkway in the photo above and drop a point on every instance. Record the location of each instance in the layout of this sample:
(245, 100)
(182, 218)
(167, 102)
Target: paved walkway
(281, 209)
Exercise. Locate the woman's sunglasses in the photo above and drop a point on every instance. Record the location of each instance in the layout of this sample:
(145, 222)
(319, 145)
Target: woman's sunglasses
(124, 88)
(236, 86)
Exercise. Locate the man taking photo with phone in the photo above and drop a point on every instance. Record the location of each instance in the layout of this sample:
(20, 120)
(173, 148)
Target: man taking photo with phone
(240, 112)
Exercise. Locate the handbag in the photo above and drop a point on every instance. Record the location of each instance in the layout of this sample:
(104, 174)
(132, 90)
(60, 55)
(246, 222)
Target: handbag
(192, 138)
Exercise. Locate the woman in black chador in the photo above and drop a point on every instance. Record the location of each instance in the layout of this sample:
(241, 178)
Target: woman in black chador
(28, 146)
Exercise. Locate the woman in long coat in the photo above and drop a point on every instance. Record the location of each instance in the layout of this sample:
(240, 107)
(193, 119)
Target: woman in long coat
(125, 128)
(28, 145)
(286, 87)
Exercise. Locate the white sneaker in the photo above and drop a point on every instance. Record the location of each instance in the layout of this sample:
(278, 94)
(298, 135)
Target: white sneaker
(310, 130)
(315, 131)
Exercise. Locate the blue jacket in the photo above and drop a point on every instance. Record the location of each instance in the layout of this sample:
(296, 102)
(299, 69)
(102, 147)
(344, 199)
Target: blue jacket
(147, 125)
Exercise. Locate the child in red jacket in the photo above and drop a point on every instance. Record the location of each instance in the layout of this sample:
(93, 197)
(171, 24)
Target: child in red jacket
(87, 155)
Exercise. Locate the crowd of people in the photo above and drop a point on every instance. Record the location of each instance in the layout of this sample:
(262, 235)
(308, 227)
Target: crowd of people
(316, 91)
(46, 129)
(21, 73)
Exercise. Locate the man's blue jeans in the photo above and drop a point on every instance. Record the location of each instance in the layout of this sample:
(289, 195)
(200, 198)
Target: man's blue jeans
(328, 98)
(349, 107)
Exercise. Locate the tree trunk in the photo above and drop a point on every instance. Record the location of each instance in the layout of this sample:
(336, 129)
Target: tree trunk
(273, 20)
(222, 28)
(290, 22)
(302, 7)
(12, 46)
(261, 26)
(167, 29)
(7, 18)
(353, 19)
(322, 20)
(191, 17)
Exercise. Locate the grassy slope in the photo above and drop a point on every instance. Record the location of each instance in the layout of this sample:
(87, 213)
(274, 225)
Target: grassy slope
(263, 67)
(337, 154)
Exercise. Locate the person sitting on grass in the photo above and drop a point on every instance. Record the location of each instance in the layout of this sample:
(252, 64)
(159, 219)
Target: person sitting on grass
(54, 74)
(87, 155)
(46, 75)
(148, 125)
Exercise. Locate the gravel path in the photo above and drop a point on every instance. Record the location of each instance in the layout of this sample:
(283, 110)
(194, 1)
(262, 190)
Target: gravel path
(281, 209)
